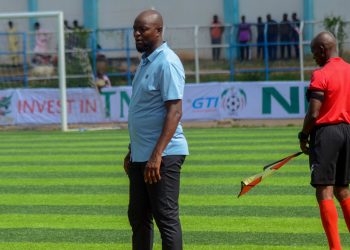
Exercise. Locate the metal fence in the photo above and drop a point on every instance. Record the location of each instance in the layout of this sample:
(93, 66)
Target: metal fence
(27, 67)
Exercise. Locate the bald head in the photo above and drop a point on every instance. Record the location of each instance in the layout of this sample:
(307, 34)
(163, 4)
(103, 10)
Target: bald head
(148, 28)
(151, 16)
(323, 47)
(325, 39)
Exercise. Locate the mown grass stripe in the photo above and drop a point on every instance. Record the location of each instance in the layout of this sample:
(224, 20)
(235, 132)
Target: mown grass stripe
(64, 235)
(247, 130)
(240, 157)
(112, 162)
(213, 211)
(242, 133)
(263, 142)
(52, 174)
(123, 189)
(294, 166)
(190, 223)
(196, 145)
(234, 189)
(205, 238)
(211, 134)
(60, 147)
(185, 200)
(62, 209)
(118, 140)
(77, 145)
(61, 168)
(62, 199)
(54, 163)
(252, 211)
(123, 145)
(289, 144)
(59, 221)
(67, 246)
(58, 153)
(236, 172)
(123, 180)
(90, 141)
(58, 158)
(189, 132)
(261, 239)
(64, 181)
(65, 189)
(187, 170)
(114, 174)
(114, 151)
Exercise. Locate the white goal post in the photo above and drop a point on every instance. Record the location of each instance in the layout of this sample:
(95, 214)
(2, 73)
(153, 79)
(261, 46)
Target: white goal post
(60, 53)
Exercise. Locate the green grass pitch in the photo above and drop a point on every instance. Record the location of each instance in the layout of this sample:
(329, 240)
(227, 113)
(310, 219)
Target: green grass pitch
(68, 191)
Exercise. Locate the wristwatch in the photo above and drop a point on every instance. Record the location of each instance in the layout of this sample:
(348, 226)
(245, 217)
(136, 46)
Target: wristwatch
(302, 136)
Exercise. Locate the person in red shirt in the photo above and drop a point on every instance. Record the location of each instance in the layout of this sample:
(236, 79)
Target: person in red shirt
(216, 32)
(325, 135)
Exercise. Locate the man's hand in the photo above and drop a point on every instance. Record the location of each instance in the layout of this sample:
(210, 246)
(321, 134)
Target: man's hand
(304, 146)
(127, 163)
(316, 98)
(304, 142)
(152, 169)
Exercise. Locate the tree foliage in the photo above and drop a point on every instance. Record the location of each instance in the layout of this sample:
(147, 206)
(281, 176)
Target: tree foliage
(336, 25)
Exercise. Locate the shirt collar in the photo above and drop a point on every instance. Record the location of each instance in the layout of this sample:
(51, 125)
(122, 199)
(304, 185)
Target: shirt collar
(154, 54)
(334, 59)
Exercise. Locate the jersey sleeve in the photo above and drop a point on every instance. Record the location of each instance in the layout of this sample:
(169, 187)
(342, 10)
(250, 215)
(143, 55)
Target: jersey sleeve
(318, 81)
(172, 82)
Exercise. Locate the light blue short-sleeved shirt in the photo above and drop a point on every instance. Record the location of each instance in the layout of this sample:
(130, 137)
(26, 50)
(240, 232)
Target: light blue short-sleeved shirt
(160, 77)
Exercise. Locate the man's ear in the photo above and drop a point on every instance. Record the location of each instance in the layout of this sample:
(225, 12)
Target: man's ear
(322, 49)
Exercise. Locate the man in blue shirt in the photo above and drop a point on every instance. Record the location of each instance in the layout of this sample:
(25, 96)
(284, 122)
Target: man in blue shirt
(158, 146)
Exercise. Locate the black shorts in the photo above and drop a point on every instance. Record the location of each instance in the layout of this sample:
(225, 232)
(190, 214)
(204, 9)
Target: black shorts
(330, 155)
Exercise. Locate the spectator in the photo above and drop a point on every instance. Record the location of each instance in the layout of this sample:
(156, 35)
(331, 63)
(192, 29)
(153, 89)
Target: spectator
(216, 31)
(244, 35)
(70, 38)
(66, 25)
(76, 25)
(102, 80)
(13, 43)
(272, 36)
(80, 35)
(285, 30)
(260, 38)
(295, 33)
(41, 49)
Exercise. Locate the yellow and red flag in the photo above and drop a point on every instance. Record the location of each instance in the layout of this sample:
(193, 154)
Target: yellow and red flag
(252, 181)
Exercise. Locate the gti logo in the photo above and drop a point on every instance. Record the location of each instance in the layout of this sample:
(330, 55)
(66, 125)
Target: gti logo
(205, 103)
(233, 100)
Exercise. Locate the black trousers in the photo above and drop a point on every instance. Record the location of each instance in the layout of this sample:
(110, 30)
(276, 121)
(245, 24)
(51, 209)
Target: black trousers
(260, 49)
(244, 51)
(330, 155)
(216, 51)
(156, 201)
(285, 39)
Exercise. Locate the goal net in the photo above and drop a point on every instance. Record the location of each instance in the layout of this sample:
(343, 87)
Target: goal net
(32, 55)
(61, 71)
